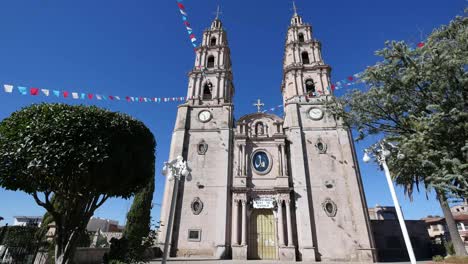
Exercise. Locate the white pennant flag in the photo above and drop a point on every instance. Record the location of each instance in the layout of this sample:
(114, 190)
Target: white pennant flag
(75, 95)
(98, 97)
(8, 88)
(45, 92)
(182, 12)
(117, 97)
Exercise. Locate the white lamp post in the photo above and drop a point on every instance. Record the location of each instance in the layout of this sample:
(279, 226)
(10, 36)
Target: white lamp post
(174, 170)
(381, 155)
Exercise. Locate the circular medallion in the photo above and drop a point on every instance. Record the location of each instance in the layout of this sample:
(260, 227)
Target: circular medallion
(315, 114)
(204, 116)
(261, 162)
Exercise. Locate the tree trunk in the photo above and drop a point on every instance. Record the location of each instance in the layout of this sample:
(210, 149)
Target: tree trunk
(458, 244)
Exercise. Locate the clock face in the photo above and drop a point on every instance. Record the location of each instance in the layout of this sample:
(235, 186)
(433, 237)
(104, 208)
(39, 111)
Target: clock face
(315, 113)
(261, 162)
(204, 116)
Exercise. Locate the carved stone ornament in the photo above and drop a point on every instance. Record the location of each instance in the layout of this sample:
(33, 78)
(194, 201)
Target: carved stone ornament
(321, 146)
(197, 206)
(202, 147)
(329, 207)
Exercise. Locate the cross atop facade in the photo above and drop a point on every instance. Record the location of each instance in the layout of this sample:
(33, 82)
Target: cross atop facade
(259, 105)
(218, 12)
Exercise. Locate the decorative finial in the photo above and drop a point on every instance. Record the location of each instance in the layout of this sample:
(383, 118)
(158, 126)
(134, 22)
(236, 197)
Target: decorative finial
(218, 12)
(259, 105)
(294, 8)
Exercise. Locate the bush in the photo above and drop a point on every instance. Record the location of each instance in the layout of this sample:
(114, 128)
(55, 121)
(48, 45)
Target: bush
(437, 258)
(449, 248)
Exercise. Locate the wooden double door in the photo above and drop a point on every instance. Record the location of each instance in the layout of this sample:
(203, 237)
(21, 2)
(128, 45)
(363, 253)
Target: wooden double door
(262, 242)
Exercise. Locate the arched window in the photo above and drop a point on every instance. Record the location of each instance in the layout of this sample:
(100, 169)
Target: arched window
(301, 37)
(213, 41)
(305, 57)
(207, 91)
(310, 86)
(210, 63)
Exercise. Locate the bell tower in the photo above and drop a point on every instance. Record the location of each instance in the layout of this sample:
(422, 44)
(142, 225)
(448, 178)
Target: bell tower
(203, 136)
(304, 72)
(330, 208)
(210, 81)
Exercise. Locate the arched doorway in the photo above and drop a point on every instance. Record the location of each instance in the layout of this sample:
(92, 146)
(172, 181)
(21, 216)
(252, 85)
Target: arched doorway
(262, 235)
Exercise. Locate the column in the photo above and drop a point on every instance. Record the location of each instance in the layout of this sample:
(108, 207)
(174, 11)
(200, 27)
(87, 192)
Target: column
(241, 159)
(239, 166)
(283, 157)
(245, 161)
(288, 221)
(280, 159)
(244, 222)
(235, 224)
(280, 223)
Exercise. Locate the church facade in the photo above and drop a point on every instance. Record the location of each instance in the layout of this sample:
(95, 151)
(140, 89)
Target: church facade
(266, 187)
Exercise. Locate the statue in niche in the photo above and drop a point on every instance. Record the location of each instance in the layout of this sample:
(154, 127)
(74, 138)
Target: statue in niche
(260, 129)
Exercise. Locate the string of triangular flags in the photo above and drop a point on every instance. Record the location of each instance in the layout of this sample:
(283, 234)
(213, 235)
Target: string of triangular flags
(184, 14)
(8, 88)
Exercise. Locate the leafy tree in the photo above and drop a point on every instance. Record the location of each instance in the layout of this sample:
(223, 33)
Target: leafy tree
(417, 101)
(80, 155)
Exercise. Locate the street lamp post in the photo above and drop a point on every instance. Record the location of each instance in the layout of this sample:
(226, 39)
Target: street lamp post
(174, 170)
(381, 155)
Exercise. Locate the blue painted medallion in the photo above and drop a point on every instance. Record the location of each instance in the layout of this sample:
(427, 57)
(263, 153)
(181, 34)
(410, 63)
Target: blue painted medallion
(260, 161)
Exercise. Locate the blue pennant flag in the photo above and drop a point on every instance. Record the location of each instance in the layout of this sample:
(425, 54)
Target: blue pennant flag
(56, 93)
(23, 90)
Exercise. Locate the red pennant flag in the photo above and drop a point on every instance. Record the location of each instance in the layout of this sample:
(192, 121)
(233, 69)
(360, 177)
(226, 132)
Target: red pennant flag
(333, 87)
(111, 97)
(90, 96)
(420, 44)
(350, 78)
(127, 98)
(191, 36)
(141, 99)
(65, 94)
(187, 23)
(181, 6)
(34, 91)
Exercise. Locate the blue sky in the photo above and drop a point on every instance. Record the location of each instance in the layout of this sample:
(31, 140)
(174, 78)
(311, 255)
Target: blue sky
(141, 48)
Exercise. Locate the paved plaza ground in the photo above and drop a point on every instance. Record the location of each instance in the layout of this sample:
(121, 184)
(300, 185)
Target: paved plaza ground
(209, 261)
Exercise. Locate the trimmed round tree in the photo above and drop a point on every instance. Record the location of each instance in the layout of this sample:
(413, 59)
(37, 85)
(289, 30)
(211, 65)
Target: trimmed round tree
(80, 155)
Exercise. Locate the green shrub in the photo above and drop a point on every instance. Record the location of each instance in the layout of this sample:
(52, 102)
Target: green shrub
(449, 248)
(437, 258)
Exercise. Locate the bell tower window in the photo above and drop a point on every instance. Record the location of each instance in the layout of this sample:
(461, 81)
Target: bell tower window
(305, 57)
(310, 86)
(207, 91)
(301, 37)
(213, 41)
(210, 63)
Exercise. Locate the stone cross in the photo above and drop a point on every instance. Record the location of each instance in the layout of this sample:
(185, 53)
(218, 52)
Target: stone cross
(294, 7)
(259, 105)
(218, 12)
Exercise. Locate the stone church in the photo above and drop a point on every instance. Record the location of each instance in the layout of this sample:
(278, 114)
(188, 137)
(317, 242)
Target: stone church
(264, 186)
